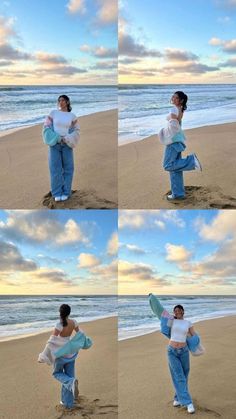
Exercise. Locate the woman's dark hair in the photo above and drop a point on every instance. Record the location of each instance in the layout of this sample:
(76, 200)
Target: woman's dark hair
(67, 99)
(183, 99)
(179, 306)
(64, 313)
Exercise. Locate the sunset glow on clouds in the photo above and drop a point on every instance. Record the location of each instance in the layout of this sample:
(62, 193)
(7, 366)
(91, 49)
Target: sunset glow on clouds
(42, 43)
(177, 42)
(192, 253)
(62, 252)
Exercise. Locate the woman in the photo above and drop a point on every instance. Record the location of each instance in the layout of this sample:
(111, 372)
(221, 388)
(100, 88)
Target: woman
(61, 133)
(182, 338)
(178, 358)
(173, 161)
(64, 367)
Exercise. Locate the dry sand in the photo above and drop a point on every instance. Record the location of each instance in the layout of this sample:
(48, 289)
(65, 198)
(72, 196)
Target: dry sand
(24, 170)
(145, 387)
(143, 184)
(28, 390)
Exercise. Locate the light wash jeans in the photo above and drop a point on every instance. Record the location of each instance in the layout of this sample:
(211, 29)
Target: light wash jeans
(64, 371)
(175, 165)
(61, 166)
(179, 368)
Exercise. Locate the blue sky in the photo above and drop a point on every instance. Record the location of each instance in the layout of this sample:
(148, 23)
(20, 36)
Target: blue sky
(178, 40)
(177, 252)
(61, 252)
(58, 42)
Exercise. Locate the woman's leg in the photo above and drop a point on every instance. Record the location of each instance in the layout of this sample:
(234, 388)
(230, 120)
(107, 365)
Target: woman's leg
(68, 168)
(179, 365)
(173, 160)
(177, 184)
(67, 396)
(60, 374)
(55, 167)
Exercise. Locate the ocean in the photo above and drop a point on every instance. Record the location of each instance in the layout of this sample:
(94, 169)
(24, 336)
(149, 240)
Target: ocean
(137, 319)
(143, 108)
(28, 105)
(23, 315)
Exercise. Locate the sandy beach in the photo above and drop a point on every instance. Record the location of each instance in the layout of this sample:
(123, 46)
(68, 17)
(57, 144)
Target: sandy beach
(28, 390)
(24, 166)
(145, 387)
(143, 184)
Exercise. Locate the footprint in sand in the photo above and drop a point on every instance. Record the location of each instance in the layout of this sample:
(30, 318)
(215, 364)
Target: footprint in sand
(79, 199)
(204, 197)
(88, 409)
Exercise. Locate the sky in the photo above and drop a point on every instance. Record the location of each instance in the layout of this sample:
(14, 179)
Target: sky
(177, 41)
(177, 252)
(58, 42)
(60, 252)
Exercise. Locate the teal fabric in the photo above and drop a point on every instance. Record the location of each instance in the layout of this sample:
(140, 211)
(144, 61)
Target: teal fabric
(156, 306)
(179, 137)
(79, 341)
(50, 137)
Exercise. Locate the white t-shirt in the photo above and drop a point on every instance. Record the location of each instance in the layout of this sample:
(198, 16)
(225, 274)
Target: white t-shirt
(174, 110)
(179, 330)
(62, 121)
(59, 325)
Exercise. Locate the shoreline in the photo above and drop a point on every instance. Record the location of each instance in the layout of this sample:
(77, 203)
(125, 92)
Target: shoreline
(158, 330)
(47, 330)
(136, 141)
(9, 131)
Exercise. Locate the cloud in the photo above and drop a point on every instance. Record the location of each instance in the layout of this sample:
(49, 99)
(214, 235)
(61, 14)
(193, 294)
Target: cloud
(47, 58)
(5, 63)
(229, 4)
(222, 226)
(41, 227)
(133, 272)
(88, 260)
(12, 260)
(53, 275)
(139, 219)
(177, 253)
(228, 46)
(6, 29)
(128, 46)
(102, 52)
(8, 52)
(108, 12)
(105, 65)
(112, 246)
(188, 68)
(224, 19)
(179, 55)
(229, 63)
(76, 6)
(133, 248)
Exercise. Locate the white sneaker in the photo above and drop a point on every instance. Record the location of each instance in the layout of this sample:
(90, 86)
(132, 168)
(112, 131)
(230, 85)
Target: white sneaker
(172, 198)
(190, 408)
(197, 163)
(57, 198)
(75, 389)
(64, 197)
(176, 403)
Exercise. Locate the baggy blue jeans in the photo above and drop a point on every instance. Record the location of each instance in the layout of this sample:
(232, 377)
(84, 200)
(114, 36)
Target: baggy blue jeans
(175, 165)
(64, 371)
(179, 368)
(61, 166)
